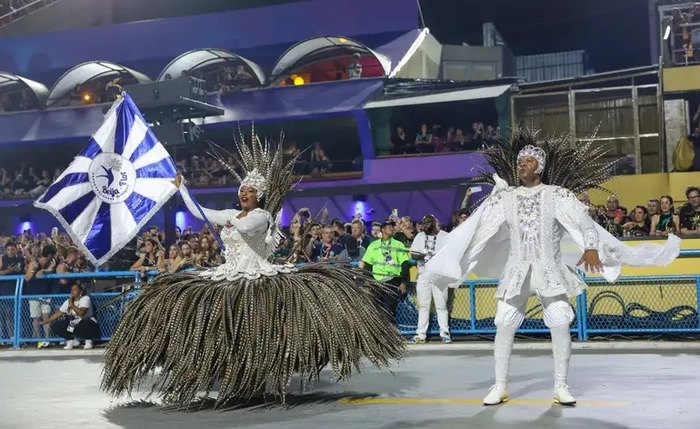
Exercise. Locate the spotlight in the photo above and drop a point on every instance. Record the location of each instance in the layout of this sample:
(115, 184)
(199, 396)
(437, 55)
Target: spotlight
(86, 98)
(298, 80)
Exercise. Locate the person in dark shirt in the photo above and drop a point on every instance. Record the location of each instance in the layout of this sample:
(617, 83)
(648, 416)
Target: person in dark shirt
(11, 263)
(326, 249)
(690, 212)
(640, 225)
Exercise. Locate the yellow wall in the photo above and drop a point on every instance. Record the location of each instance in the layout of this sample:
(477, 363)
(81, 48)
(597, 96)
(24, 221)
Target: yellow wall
(639, 188)
(677, 79)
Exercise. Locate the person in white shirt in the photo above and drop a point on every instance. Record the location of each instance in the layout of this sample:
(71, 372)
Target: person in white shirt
(425, 245)
(74, 319)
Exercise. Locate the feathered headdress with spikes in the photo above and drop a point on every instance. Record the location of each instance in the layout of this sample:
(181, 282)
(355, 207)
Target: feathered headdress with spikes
(260, 165)
(577, 167)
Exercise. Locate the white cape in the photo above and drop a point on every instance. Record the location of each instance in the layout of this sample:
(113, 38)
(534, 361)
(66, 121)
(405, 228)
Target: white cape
(463, 255)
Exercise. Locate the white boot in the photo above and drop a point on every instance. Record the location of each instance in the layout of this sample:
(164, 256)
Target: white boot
(497, 395)
(503, 346)
(561, 350)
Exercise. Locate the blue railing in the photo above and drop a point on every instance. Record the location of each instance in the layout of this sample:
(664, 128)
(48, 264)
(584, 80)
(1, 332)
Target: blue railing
(16, 325)
(632, 306)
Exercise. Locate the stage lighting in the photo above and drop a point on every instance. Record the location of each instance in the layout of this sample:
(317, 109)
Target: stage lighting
(298, 80)
(667, 32)
(86, 98)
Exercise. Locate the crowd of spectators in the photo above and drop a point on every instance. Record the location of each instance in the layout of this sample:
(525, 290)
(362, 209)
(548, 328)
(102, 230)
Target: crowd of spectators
(683, 43)
(436, 140)
(659, 217)
(309, 238)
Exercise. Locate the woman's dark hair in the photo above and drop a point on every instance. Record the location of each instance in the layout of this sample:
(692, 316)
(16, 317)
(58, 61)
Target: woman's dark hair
(670, 199)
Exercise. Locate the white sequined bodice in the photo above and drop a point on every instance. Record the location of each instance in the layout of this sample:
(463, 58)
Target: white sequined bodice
(246, 254)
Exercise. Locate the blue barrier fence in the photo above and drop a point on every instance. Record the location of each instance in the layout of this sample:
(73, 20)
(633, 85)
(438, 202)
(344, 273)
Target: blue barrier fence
(633, 305)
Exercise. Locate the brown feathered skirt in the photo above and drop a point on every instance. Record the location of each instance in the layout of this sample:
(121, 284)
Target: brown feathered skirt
(242, 337)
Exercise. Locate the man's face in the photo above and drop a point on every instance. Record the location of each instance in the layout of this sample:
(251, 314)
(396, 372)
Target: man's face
(462, 218)
(11, 251)
(694, 199)
(376, 230)
(613, 204)
(356, 230)
(387, 231)
(527, 166)
(327, 235)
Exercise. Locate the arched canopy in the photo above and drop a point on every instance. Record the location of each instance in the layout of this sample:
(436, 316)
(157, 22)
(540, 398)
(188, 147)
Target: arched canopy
(209, 61)
(93, 73)
(20, 93)
(307, 52)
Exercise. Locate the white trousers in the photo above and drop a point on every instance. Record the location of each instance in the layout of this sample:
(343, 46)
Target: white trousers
(510, 314)
(425, 290)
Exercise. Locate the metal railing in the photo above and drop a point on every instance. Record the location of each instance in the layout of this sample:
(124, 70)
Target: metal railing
(633, 306)
(26, 9)
(17, 326)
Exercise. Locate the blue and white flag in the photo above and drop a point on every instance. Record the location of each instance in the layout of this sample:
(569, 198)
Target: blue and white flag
(114, 186)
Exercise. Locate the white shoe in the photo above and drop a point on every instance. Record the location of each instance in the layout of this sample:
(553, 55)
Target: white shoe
(88, 345)
(562, 395)
(497, 395)
(70, 344)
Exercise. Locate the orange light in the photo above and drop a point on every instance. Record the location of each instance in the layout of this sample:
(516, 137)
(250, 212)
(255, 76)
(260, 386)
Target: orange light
(298, 80)
(86, 97)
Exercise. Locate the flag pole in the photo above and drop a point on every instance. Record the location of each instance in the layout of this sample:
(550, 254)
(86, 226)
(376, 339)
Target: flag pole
(206, 220)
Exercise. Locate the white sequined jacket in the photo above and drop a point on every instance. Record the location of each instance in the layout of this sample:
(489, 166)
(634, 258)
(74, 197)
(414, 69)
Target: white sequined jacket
(541, 233)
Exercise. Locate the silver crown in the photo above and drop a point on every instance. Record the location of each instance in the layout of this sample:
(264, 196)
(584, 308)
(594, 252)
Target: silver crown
(534, 152)
(256, 181)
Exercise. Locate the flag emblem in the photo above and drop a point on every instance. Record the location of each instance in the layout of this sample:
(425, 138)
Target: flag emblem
(114, 186)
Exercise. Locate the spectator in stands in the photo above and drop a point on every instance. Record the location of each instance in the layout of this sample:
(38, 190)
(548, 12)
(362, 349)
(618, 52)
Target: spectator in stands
(424, 140)
(448, 143)
(185, 259)
(69, 264)
(653, 207)
(356, 244)
(690, 212)
(152, 259)
(207, 256)
(11, 263)
(40, 308)
(478, 135)
(171, 260)
(406, 230)
(355, 67)
(376, 230)
(319, 163)
(613, 216)
(341, 234)
(387, 257)
(326, 249)
(460, 141)
(667, 222)
(400, 143)
(75, 319)
(640, 225)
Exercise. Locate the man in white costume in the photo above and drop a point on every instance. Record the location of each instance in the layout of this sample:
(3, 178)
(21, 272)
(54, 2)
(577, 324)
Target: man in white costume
(532, 237)
(425, 245)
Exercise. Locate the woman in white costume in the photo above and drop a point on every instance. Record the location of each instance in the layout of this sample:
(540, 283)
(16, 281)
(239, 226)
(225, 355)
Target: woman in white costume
(248, 325)
(531, 233)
